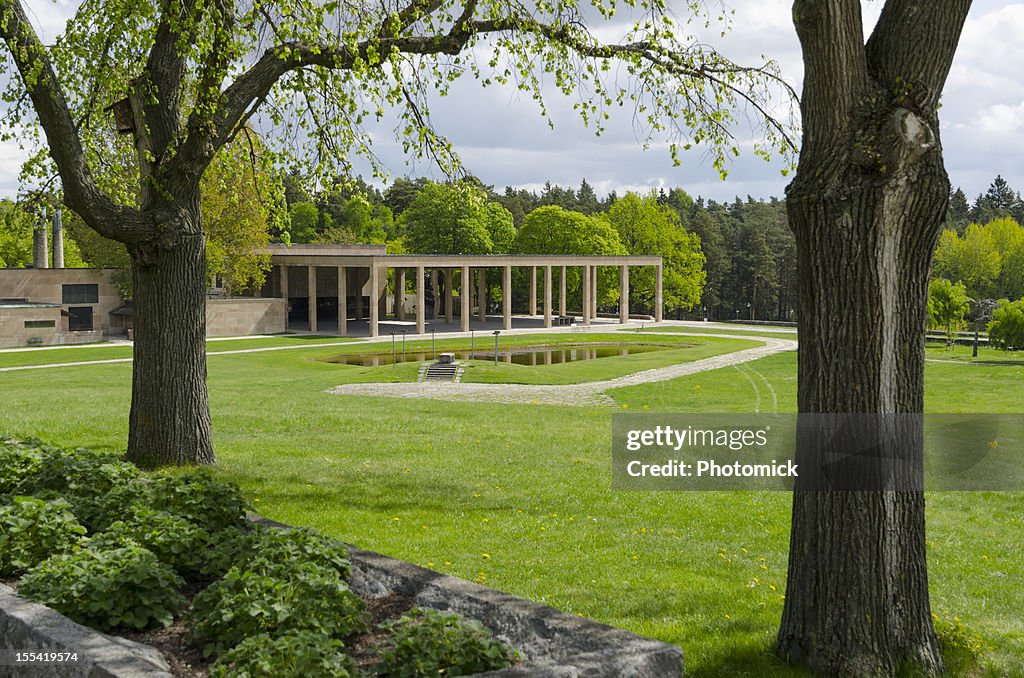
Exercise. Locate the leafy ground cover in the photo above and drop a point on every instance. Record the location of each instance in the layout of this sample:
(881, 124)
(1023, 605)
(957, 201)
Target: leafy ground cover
(518, 496)
(251, 600)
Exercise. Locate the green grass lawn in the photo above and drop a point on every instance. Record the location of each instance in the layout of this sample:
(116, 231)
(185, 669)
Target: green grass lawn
(986, 356)
(104, 351)
(518, 496)
(738, 330)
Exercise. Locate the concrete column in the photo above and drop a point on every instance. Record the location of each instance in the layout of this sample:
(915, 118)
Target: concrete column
(58, 240)
(359, 295)
(421, 303)
(586, 279)
(342, 301)
(481, 293)
(311, 296)
(400, 293)
(40, 250)
(465, 292)
(374, 298)
(533, 290)
(506, 296)
(435, 289)
(382, 292)
(449, 297)
(282, 281)
(561, 293)
(547, 296)
(623, 294)
(657, 294)
(593, 294)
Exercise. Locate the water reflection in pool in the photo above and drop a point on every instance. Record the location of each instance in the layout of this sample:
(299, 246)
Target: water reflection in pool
(520, 355)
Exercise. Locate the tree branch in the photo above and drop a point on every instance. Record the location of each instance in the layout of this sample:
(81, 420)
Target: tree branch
(254, 85)
(80, 191)
(911, 49)
(832, 39)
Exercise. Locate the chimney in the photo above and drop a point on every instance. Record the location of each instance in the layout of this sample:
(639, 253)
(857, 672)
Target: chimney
(58, 240)
(40, 255)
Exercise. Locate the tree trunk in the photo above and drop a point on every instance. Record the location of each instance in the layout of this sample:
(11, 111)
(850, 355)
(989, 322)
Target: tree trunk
(170, 415)
(857, 601)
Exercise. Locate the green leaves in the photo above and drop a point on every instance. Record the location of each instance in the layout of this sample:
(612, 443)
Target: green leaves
(33, 529)
(455, 219)
(125, 587)
(426, 643)
(289, 596)
(294, 655)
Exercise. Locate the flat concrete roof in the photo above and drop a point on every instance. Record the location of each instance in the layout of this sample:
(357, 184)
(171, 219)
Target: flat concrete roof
(311, 257)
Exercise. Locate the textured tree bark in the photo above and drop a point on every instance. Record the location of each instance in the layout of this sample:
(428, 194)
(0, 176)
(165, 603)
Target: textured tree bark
(170, 415)
(858, 585)
(866, 207)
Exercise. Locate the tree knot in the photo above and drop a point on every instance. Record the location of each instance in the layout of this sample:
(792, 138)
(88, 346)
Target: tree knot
(915, 133)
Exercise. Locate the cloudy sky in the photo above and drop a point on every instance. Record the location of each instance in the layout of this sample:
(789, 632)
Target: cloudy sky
(502, 139)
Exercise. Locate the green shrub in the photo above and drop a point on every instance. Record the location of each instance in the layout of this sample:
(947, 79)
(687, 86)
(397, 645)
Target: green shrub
(88, 480)
(125, 587)
(198, 497)
(292, 597)
(260, 547)
(295, 655)
(18, 459)
(434, 643)
(31, 530)
(173, 540)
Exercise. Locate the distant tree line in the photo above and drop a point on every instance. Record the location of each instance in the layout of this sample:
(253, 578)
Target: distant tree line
(978, 271)
(723, 261)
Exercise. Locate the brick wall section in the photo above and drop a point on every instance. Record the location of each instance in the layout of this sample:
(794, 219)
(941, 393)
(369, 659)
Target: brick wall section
(242, 316)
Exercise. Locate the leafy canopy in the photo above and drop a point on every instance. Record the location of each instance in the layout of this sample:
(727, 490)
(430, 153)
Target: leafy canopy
(314, 73)
(647, 227)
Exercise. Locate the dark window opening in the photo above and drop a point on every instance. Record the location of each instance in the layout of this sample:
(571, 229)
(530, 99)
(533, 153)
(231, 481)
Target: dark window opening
(80, 294)
(36, 324)
(80, 319)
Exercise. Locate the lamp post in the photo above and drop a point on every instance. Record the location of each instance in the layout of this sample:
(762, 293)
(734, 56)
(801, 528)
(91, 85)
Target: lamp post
(394, 356)
(403, 345)
(472, 343)
(496, 333)
(751, 311)
(433, 344)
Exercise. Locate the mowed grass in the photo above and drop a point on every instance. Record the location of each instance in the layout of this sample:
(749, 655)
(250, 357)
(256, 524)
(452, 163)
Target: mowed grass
(97, 352)
(518, 496)
(738, 330)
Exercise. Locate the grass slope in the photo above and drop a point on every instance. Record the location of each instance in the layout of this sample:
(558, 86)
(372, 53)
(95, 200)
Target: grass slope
(517, 496)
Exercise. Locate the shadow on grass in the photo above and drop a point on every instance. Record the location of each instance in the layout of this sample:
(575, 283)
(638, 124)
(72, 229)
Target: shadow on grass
(745, 662)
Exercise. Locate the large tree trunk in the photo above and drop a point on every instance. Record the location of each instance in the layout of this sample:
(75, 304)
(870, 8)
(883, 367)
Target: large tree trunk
(866, 207)
(857, 601)
(170, 415)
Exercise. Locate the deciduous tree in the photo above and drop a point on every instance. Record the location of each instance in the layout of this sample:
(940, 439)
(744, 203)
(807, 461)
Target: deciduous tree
(947, 305)
(192, 75)
(646, 227)
(866, 206)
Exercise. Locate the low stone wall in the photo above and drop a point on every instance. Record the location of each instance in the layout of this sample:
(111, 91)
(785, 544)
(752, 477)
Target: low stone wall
(28, 626)
(554, 643)
(245, 315)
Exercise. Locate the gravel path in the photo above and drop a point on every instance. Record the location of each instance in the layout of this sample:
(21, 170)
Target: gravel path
(585, 394)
